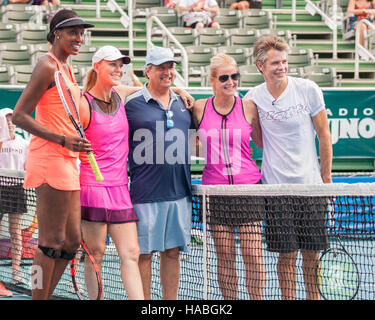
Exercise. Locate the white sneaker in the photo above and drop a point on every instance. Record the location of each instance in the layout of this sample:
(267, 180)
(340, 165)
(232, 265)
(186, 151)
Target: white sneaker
(19, 279)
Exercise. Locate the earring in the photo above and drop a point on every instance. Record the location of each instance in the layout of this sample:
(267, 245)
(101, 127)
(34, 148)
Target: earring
(58, 38)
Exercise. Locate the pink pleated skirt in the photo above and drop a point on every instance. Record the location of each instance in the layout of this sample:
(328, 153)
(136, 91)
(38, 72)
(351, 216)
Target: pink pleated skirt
(107, 204)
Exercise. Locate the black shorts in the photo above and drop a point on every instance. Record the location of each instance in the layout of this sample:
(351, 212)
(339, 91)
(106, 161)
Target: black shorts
(294, 223)
(12, 199)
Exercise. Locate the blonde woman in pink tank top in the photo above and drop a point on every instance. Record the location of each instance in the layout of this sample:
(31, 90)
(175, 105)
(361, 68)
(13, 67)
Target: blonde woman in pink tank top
(51, 163)
(225, 125)
(106, 206)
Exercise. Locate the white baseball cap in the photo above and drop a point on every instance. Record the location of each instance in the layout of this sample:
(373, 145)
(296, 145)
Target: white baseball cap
(159, 55)
(6, 111)
(109, 53)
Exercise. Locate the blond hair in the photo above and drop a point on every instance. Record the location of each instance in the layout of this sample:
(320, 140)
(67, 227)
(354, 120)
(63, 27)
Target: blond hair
(90, 80)
(266, 43)
(218, 61)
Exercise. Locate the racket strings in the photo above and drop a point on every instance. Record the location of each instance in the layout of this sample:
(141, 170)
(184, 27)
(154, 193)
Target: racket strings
(69, 99)
(86, 283)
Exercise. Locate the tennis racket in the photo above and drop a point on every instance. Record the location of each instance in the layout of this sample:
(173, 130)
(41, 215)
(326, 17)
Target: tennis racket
(85, 275)
(68, 102)
(337, 273)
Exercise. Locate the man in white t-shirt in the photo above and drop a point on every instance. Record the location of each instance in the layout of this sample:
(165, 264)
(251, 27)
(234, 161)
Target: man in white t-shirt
(291, 110)
(198, 14)
(13, 199)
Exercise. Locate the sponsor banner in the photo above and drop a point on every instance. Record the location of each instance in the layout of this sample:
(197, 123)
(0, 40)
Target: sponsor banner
(351, 116)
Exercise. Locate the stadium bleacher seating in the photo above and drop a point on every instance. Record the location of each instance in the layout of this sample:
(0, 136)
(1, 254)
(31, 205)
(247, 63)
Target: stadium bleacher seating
(308, 34)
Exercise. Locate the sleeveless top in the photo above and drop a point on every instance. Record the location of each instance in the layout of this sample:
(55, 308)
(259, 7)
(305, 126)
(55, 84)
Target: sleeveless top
(226, 141)
(51, 114)
(108, 135)
(356, 18)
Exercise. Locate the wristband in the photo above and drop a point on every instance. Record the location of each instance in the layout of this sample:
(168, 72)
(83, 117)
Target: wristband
(63, 141)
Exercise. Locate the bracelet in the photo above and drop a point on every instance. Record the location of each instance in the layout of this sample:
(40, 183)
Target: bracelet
(63, 141)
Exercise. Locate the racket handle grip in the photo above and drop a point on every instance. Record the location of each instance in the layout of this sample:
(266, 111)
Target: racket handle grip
(95, 167)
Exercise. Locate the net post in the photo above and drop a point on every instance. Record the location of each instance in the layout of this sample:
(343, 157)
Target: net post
(205, 272)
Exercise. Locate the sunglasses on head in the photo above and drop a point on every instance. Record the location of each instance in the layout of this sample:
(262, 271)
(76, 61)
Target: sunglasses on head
(224, 77)
(170, 122)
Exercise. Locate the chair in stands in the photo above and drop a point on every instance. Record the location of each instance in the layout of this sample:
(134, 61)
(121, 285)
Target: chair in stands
(82, 58)
(299, 57)
(295, 72)
(251, 79)
(185, 36)
(199, 55)
(198, 58)
(227, 18)
(15, 54)
(38, 50)
(256, 18)
(8, 32)
(250, 75)
(250, 68)
(6, 74)
(322, 76)
(285, 34)
(23, 73)
(78, 74)
(240, 54)
(168, 16)
(33, 33)
(244, 37)
(20, 13)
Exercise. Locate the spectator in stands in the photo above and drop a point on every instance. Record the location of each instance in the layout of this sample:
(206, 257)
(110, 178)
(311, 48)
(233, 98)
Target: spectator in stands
(4, 131)
(36, 2)
(171, 3)
(224, 112)
(13, 200)
(198, 13)
(291, 110)
(362, 9)
(45, 2)
(246, 4)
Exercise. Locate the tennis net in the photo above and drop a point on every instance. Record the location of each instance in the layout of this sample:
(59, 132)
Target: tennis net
(244, 240)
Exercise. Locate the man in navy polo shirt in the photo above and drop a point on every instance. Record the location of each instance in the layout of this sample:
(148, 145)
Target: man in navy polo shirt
(160, 183)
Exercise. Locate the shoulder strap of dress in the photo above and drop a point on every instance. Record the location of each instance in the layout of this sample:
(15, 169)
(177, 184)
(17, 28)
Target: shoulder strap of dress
(89, 97)
(61, 68)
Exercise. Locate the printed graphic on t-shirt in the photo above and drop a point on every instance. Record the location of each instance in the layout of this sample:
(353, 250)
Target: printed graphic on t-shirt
(282, 115)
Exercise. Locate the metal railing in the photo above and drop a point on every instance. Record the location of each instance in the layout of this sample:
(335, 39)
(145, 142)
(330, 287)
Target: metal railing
(126, 20)
(360, 50)
(330, 21)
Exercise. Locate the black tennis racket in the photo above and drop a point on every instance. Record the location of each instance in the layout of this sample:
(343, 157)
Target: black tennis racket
(85, 275)
(69, 104)
(337, 273)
